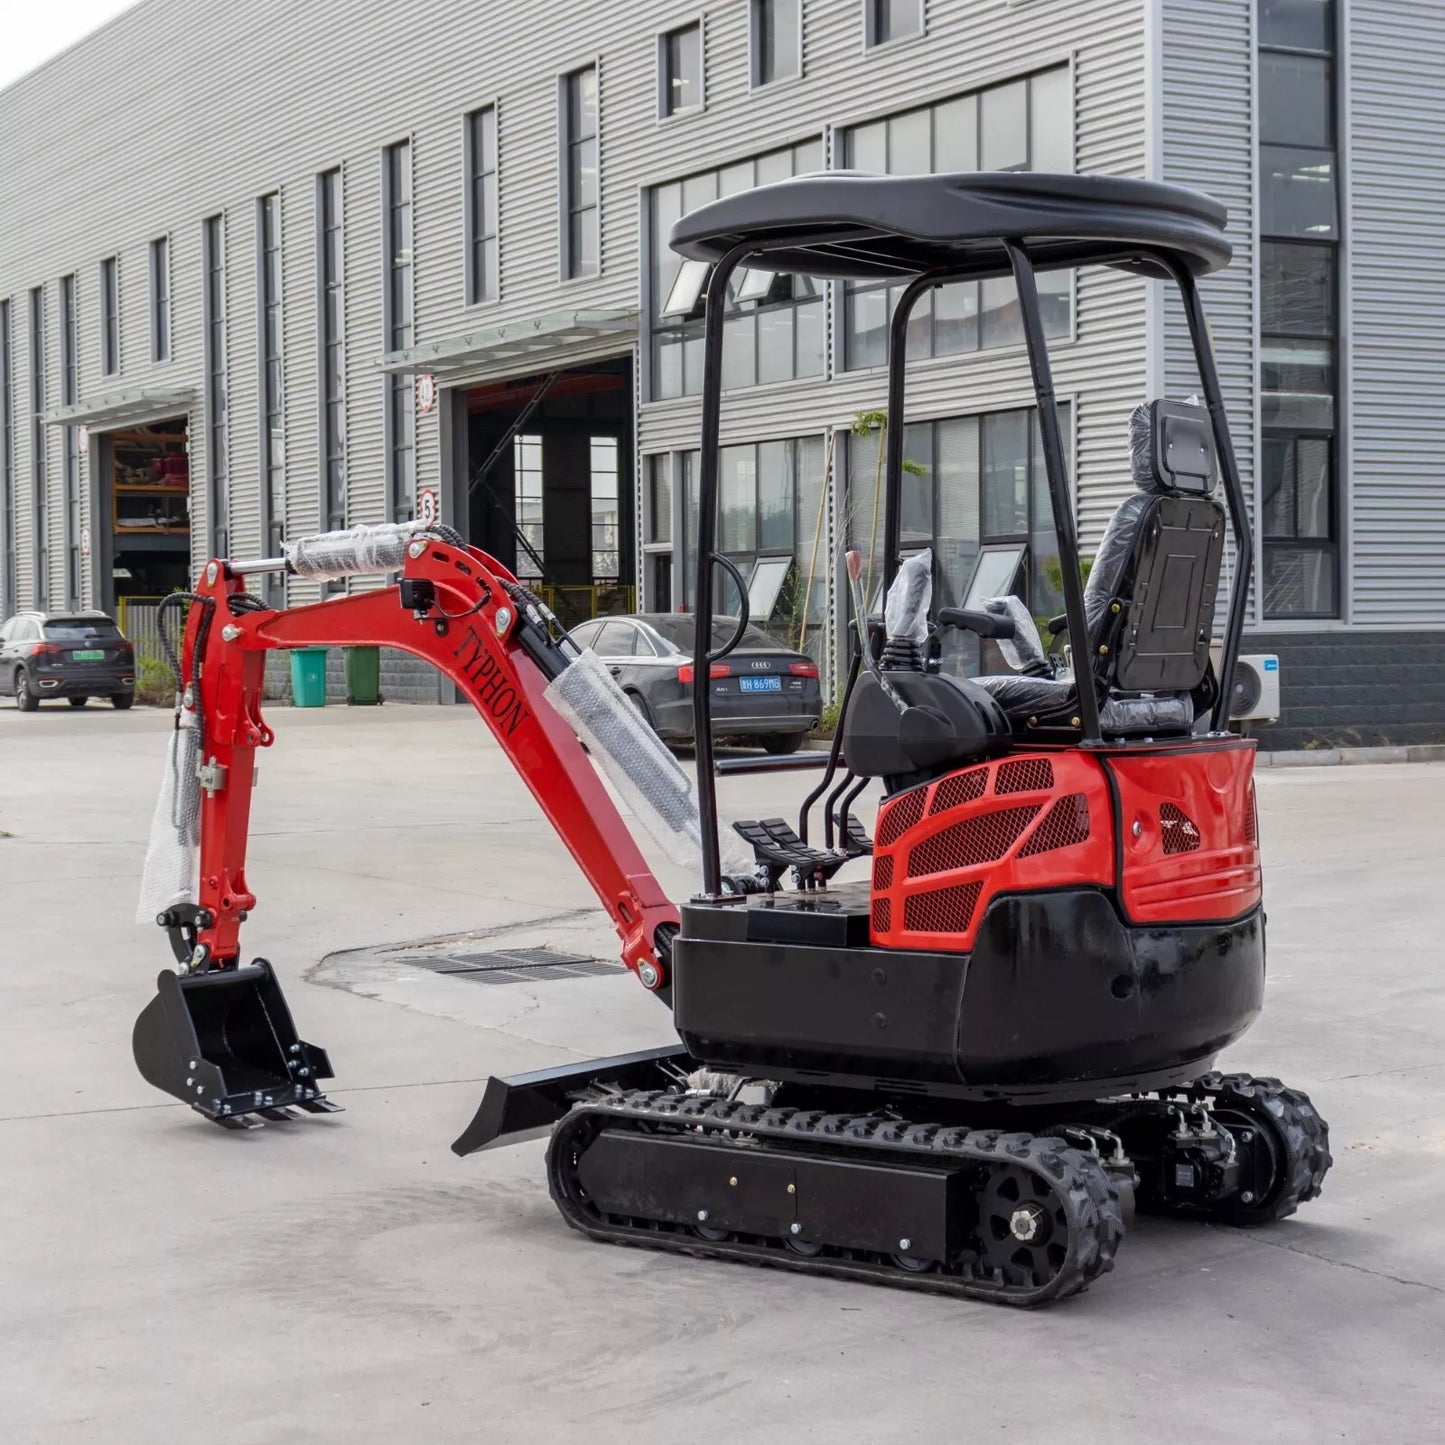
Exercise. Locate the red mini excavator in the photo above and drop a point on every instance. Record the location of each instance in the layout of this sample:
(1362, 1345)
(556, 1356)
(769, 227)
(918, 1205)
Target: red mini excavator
(963, 1074)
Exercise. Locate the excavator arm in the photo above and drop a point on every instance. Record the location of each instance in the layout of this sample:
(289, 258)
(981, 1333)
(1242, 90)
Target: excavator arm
(467, 615)
(218, 1034)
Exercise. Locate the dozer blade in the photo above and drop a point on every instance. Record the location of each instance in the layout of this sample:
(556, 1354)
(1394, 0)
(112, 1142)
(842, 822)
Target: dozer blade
(223, 1042)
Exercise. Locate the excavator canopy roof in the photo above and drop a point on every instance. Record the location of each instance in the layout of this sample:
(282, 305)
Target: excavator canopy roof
(851, 226)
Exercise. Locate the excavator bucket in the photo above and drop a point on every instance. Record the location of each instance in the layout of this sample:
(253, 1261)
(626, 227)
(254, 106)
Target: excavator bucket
(223, 1042)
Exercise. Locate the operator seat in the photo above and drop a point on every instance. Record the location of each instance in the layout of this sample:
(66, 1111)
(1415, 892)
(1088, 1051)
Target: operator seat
(1149, 600)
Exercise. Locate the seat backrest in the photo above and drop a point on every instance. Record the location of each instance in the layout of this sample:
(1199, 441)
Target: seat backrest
(1150, 596)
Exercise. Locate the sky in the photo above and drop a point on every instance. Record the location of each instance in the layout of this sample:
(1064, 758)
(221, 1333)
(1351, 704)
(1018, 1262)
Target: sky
(34, 30)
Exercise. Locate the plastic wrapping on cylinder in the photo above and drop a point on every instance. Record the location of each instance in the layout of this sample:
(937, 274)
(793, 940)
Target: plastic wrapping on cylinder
(171, 862)
(1024, 652)
(638, 763)
(905, 614)
(354, 553)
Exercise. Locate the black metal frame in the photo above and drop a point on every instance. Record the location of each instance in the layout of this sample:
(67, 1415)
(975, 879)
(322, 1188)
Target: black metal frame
(1021, 266)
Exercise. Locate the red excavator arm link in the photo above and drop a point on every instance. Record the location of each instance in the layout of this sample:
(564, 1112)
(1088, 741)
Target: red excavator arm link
(470, 633)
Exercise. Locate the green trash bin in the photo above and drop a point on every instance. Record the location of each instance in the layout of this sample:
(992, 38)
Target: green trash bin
(308, 676)
(363, 676)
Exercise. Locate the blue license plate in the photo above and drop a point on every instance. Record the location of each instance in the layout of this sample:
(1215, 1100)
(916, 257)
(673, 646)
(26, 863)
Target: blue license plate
(760, 684)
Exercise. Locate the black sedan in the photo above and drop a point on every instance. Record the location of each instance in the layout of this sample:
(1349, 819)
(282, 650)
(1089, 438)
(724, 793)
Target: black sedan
(760, 691)
(74, 655)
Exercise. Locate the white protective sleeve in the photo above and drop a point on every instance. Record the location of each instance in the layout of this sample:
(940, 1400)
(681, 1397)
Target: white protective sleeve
(354, 553)
(1024, 649)
(170, 872)
(639, 764)
(905, 614)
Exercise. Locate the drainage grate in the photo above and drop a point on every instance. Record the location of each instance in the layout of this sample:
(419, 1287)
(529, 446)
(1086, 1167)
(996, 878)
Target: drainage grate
(518, 965)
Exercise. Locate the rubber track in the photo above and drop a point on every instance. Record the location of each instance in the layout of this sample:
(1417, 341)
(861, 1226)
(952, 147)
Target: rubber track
(1082, 1185)
(1299, 1128)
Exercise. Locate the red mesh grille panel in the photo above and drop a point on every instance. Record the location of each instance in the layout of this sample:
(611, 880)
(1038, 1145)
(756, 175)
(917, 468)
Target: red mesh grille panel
(974, 841)
(1251, 818)
(1181, 833)
(900, 817)
(1065, 824)
(945, 910)
(883, 872)
(882, 915)
(1027, 775)
(960, 788)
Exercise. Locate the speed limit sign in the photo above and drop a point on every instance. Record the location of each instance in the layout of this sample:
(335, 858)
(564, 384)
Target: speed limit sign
(427, 509)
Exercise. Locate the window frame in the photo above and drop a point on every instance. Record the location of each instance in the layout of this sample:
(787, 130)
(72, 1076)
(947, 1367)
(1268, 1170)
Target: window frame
(1333, 546)
(872, 15)
(665, 110)
(70, 470)
(479, 290)
(39, 457)
(399, 387)
(110, 359)
(844, 292)
(332, 437)
(216, 350)
(271, 388)
(160, 298)
(756, 11)
(8, 559)
(569, 268)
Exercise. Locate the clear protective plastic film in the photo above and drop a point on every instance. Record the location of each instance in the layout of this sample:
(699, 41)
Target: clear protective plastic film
(360, 551)
(171, 862)
(905, 613)
(638, 763)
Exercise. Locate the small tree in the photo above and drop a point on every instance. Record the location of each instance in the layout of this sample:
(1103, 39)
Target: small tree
(875, 424)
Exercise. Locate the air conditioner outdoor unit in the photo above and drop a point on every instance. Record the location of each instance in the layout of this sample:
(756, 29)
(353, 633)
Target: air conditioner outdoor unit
(1255, 695)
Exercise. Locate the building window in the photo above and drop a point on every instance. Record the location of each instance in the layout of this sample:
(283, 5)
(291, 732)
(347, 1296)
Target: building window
(330, 274)
(110, 315)
(968, 482)
(161, 299)
(606, 564)
(777, 31)
(887, 20)
(774, 323)
(1299, 316)
(400, 398)
(9, 592)
(214, 245)
(483, 271)
(527, 505)
(273, 421)
(581, 235)
(69, 393)
(1024, 125)
(40, 530)
(680, 70)
(770, 514)
(657, 526)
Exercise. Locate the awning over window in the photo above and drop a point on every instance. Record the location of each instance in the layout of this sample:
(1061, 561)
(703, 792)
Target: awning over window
(124, 408)
(533, 339)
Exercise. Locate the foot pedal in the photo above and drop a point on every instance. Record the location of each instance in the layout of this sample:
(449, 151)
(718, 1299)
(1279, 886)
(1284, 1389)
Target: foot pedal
(856, 842)
(777, 848)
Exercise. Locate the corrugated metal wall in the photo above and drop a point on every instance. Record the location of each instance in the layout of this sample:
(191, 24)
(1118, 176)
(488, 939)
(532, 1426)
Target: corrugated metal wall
(1395, 172)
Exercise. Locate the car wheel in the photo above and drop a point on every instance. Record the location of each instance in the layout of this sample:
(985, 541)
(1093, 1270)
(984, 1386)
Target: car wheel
(122, 700)
(25, 700)
(640, 703)
(780, 744)
(77, 701)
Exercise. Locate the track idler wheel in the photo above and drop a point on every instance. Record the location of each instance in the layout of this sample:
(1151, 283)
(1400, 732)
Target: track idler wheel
(1023, 1228)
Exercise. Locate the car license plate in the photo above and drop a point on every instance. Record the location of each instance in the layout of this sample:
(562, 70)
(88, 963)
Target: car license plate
(90, 656)
(760, 684)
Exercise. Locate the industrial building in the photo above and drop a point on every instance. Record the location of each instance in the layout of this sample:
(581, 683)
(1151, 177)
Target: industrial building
(267, 269)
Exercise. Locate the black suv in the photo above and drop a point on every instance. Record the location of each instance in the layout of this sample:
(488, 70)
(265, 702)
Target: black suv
(74, 655)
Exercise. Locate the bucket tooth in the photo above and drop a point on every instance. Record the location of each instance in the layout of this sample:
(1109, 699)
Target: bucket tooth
(223, 1042)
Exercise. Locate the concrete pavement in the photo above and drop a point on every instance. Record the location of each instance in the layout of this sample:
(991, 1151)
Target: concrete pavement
(348, 1279)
